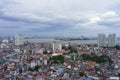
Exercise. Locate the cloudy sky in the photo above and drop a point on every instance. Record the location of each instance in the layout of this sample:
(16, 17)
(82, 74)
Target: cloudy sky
(59, 17)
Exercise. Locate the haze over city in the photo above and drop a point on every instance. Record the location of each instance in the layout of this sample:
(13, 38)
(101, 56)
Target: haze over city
(59, 17)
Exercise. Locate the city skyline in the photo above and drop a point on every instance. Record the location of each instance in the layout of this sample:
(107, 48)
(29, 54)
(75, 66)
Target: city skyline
(56, 18)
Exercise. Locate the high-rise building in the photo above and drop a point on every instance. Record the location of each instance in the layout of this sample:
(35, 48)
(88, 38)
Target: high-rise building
(57, 46)
(101, 40)
(18, 39)
(111, 40)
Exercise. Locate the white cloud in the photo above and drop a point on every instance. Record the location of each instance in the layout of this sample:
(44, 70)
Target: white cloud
(95, 19)
(109, 16)
(102, 22)
(86, 15)
(51, 9)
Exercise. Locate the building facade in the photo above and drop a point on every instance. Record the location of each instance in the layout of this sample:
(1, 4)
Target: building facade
(111, 40)
(18, 39)
(57, 46)
(101, 40)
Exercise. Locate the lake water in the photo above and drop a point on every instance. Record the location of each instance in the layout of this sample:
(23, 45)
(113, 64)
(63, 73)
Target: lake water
(51, 40)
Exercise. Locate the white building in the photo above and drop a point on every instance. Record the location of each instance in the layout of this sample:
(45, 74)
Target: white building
(45, 62)
(33, 64)
(57, 46)
(5, 41)
(101, 40)
(18, 39)
(114, 78)
(111, 40)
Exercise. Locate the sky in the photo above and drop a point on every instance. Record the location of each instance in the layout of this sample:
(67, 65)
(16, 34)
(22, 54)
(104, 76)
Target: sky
(59, 17)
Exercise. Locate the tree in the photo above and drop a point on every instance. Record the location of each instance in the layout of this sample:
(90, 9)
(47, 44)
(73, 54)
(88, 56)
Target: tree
(81, 74)
(96, 68)
(30, 69)
(45, 52)
(98, 59)
(36, 67)
(57, 59)
(117, 47)
(20, 70)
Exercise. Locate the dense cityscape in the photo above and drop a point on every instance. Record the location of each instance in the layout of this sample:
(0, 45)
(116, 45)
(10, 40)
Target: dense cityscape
(51, 58)
(59, 39)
